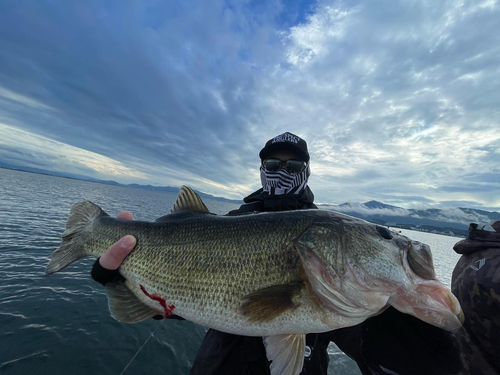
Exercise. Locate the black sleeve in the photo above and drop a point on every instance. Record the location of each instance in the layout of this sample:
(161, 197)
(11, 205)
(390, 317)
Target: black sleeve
(478, 290)
(248, 208)
(225, 354)
(103, 275)
(400, 343)
(407, 345)
(316, 357)
(349, 341)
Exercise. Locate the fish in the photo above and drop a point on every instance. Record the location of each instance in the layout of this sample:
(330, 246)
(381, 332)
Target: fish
(276, 275)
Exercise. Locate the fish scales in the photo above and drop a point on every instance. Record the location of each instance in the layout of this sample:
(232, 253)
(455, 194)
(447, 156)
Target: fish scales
(195, 256)
(277, 275)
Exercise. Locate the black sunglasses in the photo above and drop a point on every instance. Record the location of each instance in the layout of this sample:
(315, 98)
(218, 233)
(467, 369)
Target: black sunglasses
(292, 166)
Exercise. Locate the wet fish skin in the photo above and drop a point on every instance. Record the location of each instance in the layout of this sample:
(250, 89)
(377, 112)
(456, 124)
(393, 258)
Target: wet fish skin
(273, 274)
(169, 261)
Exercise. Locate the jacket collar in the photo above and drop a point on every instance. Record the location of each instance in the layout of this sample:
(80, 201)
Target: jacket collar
(283, 202)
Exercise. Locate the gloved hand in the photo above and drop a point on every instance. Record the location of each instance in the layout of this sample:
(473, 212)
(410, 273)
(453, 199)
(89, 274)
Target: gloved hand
(105, 268)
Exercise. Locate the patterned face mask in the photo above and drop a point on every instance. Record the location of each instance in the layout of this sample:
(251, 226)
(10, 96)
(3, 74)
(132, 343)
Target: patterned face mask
(283, 182)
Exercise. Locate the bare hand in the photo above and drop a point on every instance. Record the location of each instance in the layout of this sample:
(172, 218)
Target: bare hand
(114, 256)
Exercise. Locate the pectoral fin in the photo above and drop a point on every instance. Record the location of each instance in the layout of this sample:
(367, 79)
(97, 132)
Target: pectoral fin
(125, 306)
(286, 353)
(266, 304)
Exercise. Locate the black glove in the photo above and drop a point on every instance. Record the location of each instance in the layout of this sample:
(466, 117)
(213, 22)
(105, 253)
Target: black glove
(103, 275)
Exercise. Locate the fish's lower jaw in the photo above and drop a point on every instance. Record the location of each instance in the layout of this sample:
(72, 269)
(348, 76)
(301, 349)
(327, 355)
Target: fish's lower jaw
(448, 300)
(432, 303)
(445, 320)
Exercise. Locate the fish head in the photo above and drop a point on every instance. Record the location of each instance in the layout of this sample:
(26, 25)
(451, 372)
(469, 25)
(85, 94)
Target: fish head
(358, 269)
(424, 296)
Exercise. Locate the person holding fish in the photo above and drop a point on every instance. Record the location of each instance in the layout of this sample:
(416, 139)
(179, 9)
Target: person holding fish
(389, 343)
(476, 283)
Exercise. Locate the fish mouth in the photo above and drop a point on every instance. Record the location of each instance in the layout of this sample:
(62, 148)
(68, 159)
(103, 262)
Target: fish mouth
(432, 303)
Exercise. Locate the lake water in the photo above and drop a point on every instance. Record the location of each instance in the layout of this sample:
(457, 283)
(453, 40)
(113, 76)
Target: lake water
(60, 325)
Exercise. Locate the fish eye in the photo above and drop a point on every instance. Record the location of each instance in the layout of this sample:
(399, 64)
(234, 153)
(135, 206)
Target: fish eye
(384, 232)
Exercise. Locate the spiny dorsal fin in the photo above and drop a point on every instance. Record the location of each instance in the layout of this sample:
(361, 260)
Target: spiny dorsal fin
(266, 304)
(188, 200)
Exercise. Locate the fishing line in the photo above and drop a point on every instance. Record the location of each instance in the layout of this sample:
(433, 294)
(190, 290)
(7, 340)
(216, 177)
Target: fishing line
(135, 355)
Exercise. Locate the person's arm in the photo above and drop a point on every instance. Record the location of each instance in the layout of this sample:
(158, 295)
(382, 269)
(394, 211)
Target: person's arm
(407, 345)
(397, 342)
(482, 310)
(224, 353)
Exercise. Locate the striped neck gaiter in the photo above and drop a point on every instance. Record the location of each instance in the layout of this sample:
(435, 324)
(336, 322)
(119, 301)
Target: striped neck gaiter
(283, 182)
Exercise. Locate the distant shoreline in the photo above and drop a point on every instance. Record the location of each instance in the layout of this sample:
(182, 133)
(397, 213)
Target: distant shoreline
(437, 221)
(165, 189)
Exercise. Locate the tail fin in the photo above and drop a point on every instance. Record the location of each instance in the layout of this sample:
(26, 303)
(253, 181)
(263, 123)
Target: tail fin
(71, 248)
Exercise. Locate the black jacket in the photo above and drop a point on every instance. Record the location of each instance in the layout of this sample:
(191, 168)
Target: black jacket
(397, 343)
(260, 201)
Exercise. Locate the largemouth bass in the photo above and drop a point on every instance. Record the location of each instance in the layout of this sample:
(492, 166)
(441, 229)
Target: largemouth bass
(276, 275)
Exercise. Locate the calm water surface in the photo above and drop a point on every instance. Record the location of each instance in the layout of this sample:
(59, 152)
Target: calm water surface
(60, 325)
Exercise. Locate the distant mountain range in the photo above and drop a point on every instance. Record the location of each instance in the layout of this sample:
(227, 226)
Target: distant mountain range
(168, 189)
(451, 221)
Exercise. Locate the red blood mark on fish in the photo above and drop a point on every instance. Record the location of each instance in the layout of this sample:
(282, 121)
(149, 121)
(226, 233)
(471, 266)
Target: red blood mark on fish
(155, 297)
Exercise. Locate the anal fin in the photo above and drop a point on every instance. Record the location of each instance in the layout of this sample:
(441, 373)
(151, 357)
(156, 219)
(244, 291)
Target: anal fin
(286, 353)
(266, 304)
(125, 306)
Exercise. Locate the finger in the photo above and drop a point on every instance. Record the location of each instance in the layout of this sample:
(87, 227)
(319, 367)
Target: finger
(125, 215)
(114, 256)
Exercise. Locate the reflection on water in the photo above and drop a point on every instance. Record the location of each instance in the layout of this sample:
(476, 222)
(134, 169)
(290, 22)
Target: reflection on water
(61, 324)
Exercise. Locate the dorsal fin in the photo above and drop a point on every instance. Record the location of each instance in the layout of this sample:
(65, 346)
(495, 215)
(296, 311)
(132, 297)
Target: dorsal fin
(188, 200)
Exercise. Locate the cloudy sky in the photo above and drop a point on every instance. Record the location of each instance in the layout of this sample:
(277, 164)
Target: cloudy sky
(399, 101)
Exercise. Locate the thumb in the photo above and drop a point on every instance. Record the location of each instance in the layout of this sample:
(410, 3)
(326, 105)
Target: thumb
(114, 256)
